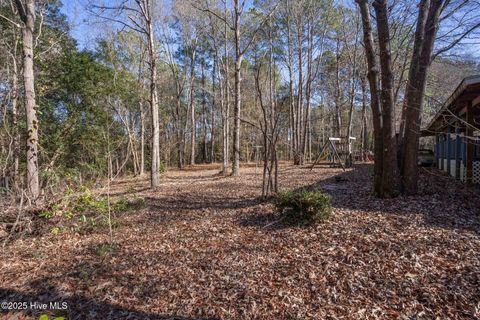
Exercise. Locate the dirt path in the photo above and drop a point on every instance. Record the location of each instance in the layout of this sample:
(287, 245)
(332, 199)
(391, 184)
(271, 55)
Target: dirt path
(206, 247)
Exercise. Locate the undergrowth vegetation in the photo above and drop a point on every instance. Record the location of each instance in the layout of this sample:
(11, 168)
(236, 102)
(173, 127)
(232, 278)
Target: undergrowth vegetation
(304, 207)
(84, 211)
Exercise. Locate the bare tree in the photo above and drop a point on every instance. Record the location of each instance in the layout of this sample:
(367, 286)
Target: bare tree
(372, 76)
(139, 17)
(270, 115)
(191, 101)
(14, 101)
(390, 170)
(426, 30)
(237, 13)
(26, 11)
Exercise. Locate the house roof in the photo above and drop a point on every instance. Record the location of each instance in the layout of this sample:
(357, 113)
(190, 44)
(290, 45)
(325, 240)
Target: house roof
(467, 90)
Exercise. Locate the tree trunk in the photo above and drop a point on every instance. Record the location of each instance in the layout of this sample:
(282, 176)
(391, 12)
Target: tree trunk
(308, 91)
(155, 170)
(204, 115)
(192, 106)
(179, 129)
(353, 88)
(298, 160)
(131, 139)
(292, 114)
(338, 110)
(374, 98)
(142, 140)
(212, 119)
(390, 170)
(226, 109)
(27, 13)
(427, 26)
(417, 47)
(238, 64)
(364, 135)
(14, 99)
(268, 124)
(273, 120)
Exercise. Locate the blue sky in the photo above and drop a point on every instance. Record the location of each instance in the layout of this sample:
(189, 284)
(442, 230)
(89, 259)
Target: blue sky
(83, 28)
(86, 30)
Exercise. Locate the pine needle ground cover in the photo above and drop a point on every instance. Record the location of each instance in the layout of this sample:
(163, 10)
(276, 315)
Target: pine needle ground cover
(206, 247)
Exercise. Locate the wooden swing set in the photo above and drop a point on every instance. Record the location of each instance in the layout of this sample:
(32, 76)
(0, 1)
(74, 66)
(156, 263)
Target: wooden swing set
(339, 151)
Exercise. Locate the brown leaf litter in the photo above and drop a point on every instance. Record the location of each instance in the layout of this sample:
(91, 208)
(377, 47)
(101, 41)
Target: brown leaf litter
(207, 247)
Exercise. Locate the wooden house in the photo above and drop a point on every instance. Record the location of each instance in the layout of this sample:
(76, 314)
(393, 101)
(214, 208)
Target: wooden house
(456, 128)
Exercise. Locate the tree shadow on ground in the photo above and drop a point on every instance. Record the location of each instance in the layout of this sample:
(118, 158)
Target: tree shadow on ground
(77, 306)
(121, 193)
(199, 178)
(271, 222)
(199, 203)
(442, 201)
(135, 268)
(201, 167)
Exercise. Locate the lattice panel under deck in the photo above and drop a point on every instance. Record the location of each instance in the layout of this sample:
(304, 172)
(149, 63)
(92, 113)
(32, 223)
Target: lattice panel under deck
(476, 172)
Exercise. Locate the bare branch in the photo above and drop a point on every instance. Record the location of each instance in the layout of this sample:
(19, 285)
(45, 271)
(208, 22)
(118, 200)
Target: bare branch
(267, 17)
(207, 10)
(11, 21)
(456, 41)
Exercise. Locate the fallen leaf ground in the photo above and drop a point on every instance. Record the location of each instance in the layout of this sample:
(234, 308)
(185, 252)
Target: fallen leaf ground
(206, 247)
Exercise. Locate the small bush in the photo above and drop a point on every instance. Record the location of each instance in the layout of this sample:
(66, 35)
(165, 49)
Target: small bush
(89, 203)
(105, 250)
(121, 205)
(163, 167)
(304, 206)
(55, 230)
(47, 214)
(84, 211)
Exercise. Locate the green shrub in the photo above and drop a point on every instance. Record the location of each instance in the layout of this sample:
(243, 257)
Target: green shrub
(87, 202)
(105, 250)
(83, 211)
(47, 214)
(304, 206)
(163, 167)
(55, 230)
(121, 205)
